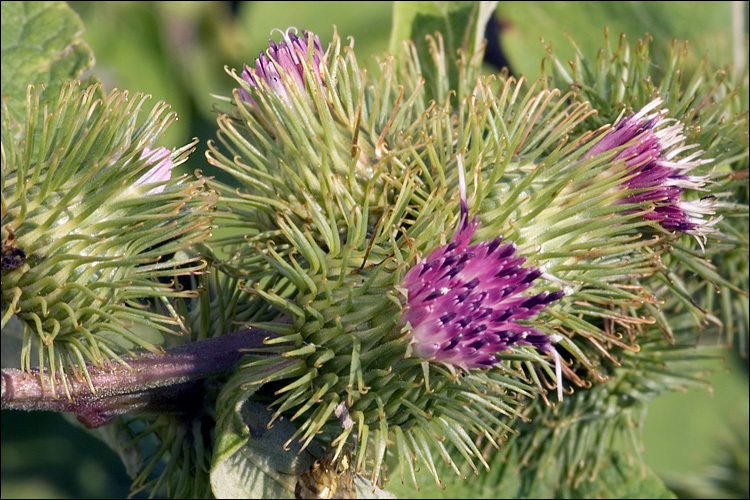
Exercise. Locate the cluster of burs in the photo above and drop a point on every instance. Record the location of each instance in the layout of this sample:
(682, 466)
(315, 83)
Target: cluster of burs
(440, 258)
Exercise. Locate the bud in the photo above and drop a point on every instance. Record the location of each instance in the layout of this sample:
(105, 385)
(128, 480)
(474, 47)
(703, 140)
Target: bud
(288, 58)
(159, 173)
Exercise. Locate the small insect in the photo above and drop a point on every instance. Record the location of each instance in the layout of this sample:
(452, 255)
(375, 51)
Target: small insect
(326, 479)
(13, 257)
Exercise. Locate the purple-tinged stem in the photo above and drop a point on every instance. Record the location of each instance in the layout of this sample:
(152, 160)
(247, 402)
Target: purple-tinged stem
(168, 383)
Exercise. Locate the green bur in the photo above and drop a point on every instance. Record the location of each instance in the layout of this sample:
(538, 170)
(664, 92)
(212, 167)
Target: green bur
(95, 242)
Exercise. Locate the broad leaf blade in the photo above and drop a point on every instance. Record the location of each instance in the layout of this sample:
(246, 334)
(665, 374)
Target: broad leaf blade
(40, 45)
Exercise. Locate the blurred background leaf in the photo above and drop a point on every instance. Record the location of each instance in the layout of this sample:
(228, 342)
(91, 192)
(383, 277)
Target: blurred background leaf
(707, 25)
(176, 51)
(44, 456)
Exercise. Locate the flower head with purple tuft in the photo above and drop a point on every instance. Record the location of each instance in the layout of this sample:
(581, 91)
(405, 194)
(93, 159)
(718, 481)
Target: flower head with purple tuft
(659, 173)
(463, 302)
(287, 56)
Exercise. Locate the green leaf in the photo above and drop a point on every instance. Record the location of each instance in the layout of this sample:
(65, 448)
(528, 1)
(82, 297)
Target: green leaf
(261, 468)
(461, 25)
(704, 24)
(40, 45)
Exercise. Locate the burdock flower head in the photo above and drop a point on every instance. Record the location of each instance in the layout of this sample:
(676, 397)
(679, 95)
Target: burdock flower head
(288, 56)
(660, 171)
(464, 302)
(159, 173)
